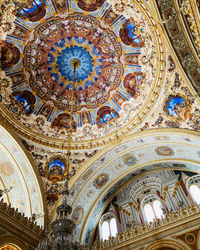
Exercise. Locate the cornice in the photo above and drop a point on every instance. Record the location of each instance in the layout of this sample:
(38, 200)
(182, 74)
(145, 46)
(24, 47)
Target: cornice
(15, 222)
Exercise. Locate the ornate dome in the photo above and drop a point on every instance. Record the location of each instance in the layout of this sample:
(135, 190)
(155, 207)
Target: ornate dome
(116, 79)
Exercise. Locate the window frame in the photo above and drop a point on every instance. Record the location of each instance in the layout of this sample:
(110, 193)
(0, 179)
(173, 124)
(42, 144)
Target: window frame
(192, 195)
(107, 218)
(153, 209)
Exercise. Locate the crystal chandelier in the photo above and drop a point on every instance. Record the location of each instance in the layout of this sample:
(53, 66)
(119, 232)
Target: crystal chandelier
(62, 228)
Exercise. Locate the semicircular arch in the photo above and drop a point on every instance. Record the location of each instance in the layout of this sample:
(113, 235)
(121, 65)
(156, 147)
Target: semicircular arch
(164, 148)
(165, 243)
(17, 172)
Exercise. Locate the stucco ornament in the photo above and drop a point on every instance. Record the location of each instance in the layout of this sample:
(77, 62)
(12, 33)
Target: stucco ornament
(116, 73)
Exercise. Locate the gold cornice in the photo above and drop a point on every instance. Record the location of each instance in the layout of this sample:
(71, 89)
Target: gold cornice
(13, 240)
(185, 32)
(177, 244)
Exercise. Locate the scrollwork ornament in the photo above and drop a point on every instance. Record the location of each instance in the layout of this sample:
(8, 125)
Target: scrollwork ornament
(8, 10)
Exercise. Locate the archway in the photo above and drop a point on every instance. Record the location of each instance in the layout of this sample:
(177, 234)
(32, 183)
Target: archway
(17, 172)
(10, 247)
(167, 244)
(155, 149)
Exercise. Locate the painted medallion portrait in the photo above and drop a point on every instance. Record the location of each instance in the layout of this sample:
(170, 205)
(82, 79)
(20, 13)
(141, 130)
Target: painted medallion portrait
(164, 151)
(129, 159)
(77, 215)
(101, 180)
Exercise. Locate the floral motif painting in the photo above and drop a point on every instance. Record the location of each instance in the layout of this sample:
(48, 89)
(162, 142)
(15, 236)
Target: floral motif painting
(6, 168)
(114, 55)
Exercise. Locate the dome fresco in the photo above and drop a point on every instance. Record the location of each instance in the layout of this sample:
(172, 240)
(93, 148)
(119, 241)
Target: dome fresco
(115, 78)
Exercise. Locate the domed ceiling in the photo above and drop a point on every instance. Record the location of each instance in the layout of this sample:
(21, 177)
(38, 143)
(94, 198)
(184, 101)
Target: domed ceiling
(118, 77)
(128, 80)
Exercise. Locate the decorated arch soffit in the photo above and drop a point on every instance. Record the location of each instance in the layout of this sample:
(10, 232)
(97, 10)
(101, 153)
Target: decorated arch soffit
(114, 166)
(180, 22)
(17, 172)
(120, 75)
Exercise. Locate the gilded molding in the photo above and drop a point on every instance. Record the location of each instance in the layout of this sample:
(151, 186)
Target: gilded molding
(177, 43)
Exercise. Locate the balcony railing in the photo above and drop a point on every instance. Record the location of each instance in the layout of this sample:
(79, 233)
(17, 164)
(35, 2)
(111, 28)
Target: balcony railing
(179, 220)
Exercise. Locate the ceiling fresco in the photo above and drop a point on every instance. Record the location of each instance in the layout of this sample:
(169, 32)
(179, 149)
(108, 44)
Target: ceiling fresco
(135, 109)
(117, 69)
(175, 108)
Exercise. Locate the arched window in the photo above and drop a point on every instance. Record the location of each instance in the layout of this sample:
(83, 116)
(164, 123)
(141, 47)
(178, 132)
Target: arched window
(157, 207)
(195, 193)
(150, 216)
(105, 230)
(108, 226)
(113, 227)
(193, 186)
(152, 208)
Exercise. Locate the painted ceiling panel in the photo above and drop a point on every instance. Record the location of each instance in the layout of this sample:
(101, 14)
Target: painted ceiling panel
(134, 105)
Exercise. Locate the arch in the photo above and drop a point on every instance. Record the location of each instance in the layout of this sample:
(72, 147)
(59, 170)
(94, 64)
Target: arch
(168, 244)
(13, 241)
(151, 207)
(17, 171)
(113, 160)
(10, 247)
(198, 240)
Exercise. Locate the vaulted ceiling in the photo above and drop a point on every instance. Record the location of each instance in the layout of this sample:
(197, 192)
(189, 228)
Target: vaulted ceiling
(136, 106)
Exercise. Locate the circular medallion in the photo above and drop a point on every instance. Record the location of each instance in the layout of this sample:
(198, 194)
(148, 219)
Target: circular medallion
(50, 64)
(101, 180)
(164, 151)
(65, 64)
